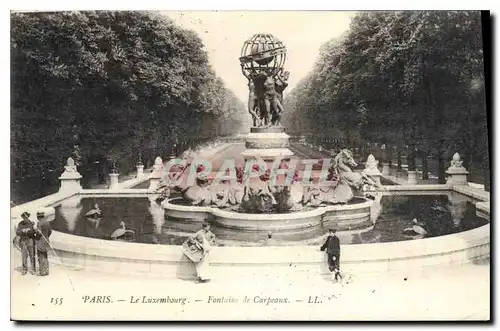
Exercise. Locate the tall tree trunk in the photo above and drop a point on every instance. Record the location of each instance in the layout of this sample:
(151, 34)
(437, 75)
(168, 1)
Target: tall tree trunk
(441, 169)
(400, 163)
(389, 155)
(486, 173)
(425, 167)
(411, 160)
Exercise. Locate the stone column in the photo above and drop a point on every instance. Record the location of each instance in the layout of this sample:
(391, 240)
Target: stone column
(70, 178)
(412, 177)
(371, 169)
(457, 174)
(385, 168)
(113, 181)
(140, 170)
(157, 174)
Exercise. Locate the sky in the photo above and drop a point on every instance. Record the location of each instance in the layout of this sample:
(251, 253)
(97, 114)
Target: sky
(224, 32)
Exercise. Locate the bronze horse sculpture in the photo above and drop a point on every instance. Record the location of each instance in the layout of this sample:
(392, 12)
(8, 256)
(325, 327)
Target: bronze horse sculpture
(348, 182)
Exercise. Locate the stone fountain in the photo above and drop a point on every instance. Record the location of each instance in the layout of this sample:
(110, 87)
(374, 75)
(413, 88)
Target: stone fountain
(266, 194)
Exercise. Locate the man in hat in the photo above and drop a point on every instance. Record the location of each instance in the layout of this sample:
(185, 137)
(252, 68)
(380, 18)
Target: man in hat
(44, 231)
(332, 246)
(26, 233)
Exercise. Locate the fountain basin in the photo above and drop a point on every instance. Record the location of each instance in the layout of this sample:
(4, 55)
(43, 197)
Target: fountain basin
(351, 216)
(167, 261)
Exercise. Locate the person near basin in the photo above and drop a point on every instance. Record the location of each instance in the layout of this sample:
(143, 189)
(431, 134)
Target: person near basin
(200, 246)
(43, 232)
(332, 247)
(25, 232)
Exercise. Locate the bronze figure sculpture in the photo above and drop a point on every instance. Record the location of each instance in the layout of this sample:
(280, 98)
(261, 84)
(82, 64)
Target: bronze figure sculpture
(262, 61)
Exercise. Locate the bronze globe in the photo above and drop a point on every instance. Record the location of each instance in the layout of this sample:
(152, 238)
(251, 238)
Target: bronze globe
(262, 54)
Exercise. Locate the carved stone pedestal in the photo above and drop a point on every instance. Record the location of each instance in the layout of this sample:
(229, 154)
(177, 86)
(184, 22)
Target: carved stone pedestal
(70, 178)
(385, 169)
(140, 170)
(412, 177)
(269, 144)
(371, 169)
(157, 174)
(457, 174)
(113, 181)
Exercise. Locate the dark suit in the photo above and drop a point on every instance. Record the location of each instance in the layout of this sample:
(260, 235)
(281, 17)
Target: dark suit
(43, 245)
(27, 243)
(332, 246)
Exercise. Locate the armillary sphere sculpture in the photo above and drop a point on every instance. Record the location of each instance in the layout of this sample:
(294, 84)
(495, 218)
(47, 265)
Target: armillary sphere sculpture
(262, 63)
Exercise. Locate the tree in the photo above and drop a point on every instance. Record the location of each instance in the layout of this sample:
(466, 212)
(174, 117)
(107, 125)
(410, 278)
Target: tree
(112, 82)
(402, 79)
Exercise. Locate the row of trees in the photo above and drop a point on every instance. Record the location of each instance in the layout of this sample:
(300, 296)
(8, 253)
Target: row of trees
(412, 79)
(106, 85)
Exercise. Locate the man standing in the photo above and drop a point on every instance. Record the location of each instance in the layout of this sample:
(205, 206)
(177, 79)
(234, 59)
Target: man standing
(332, 246)
(26, 233)
(42, 243)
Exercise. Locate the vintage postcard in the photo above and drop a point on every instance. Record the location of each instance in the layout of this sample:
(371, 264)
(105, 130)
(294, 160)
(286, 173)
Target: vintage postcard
(250, 165)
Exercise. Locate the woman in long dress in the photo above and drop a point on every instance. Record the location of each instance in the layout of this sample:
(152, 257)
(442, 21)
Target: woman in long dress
(206, 239)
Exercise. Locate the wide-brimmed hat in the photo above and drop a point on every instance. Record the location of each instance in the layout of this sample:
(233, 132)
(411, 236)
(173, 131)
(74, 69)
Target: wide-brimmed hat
(25, 214)
(40, 213)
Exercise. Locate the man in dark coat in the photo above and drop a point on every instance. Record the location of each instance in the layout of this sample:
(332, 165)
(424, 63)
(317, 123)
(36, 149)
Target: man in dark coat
(26, 233)
(44, 231)
(332, 246)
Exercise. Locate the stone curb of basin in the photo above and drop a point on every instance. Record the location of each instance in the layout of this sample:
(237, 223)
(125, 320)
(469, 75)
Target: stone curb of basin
(168, 261)
(293, 215)
(295, 220)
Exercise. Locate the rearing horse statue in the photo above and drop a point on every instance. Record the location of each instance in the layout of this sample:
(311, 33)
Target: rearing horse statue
(204, 192)
(348, 182)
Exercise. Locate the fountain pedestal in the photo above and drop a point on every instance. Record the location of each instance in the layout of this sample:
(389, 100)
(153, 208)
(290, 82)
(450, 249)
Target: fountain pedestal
(157, 174)
(457, 174)
(113, 181)
(412, 177)
(140, 170)
(269, 144)
(70, 178)
(371, 168)
(385, 169)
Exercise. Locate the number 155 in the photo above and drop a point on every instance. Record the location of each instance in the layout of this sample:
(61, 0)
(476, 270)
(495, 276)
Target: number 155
(56, 301)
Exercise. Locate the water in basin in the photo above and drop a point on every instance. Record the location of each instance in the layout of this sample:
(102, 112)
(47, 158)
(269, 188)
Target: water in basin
(440, 214)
